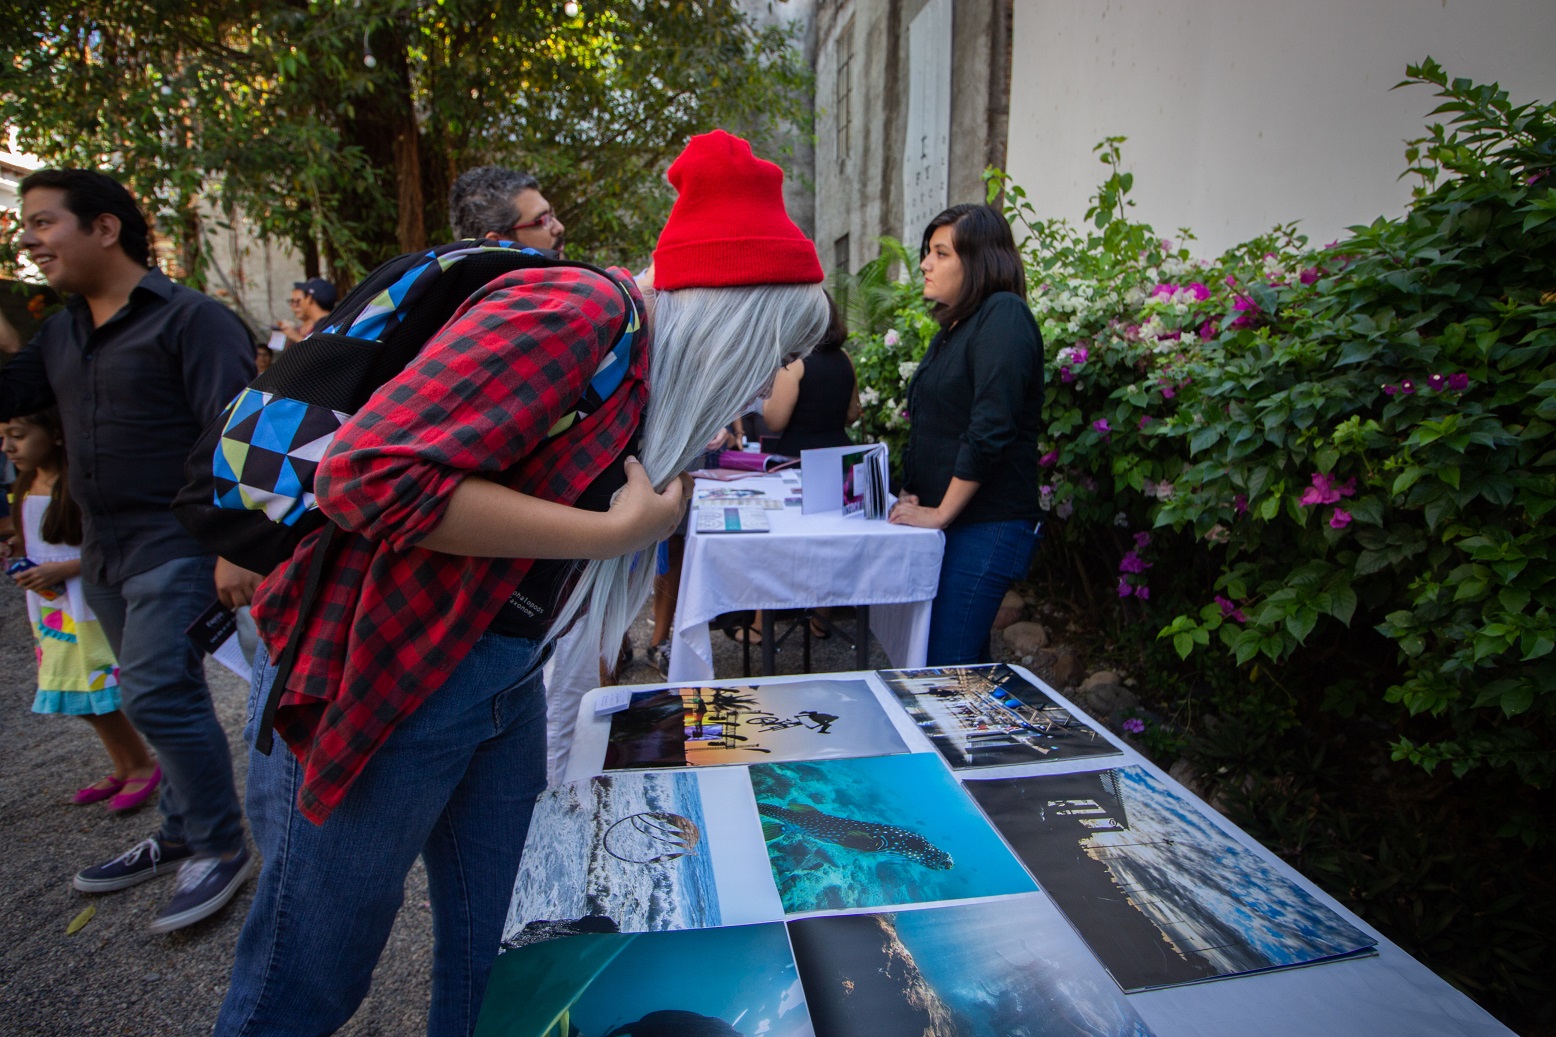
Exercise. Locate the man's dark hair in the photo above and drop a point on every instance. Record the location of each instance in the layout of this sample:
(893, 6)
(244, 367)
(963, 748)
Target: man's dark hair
(987, 249)
(481, 200)
(90, 194)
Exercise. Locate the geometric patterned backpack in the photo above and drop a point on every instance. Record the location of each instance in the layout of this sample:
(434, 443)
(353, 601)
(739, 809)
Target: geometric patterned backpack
(249, 496)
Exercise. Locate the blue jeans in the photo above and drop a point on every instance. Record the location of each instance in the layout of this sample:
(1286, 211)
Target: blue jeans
(162, 680)
(981, 561)
(455, 782)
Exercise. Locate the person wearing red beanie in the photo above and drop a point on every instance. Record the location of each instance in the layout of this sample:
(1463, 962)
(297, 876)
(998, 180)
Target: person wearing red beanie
(456, 774)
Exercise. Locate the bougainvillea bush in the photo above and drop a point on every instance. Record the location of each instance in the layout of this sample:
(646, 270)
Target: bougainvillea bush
(1332, 464)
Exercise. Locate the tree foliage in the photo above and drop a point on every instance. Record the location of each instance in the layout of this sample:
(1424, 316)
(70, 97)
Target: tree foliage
(338, 126)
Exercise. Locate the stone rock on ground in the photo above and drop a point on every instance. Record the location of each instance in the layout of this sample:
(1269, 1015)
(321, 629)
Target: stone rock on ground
(1025, 638)
(1101, 677)
(1067, 668)
(1105, 701)
(1009, 610)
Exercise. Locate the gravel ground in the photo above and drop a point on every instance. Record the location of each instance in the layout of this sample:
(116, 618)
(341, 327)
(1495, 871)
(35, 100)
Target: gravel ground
(113, 977)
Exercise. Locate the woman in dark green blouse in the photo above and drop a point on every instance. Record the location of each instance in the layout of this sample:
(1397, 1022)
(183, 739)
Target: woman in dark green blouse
(975, 405)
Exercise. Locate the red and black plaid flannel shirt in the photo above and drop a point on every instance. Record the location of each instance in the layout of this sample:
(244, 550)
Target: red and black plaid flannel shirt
(392, 620)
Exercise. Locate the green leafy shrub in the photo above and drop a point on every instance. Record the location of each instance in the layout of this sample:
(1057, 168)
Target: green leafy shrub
(1341, 455)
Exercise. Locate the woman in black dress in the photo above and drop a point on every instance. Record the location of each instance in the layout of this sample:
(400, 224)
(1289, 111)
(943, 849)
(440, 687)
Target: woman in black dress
(975, 404)
(815, 398)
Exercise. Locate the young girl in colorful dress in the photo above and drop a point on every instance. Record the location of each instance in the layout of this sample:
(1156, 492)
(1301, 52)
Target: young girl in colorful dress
(77, 674)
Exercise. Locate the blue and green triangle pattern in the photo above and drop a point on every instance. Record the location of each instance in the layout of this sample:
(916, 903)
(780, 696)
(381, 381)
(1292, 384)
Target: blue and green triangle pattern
(269, 450)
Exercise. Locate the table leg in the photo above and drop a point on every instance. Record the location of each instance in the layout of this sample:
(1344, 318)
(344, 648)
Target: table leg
(769, 644)
(862, 637)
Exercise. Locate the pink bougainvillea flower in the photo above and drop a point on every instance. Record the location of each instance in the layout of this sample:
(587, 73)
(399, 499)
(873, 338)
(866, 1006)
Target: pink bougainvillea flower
(1407, 386)
(1458, 381)
(892, 338)
(1143, 593)
(1134, 725)
(1333, 244)
(1124, 589)
(1080, 356)
(1207, 330)
(1231, 281)
(1199, 291)
(1066, 375)
(1145, 419)
(1133, 563)
(1142, 540)
(1102, 426)
(1229, 609)
(1162, 290)
(1326, 491)
(1340, 519)
(1436, 382)
(1240, 503)
(1247, 310)
(1049, 459)
(1168, 391)
(1390, 390)
(1309, 275)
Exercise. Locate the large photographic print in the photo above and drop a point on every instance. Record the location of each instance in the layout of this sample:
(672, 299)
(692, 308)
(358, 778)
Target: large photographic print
(1159, 893)
(877, 832)
(794, 720)
(641, 853)
(989, 716)
(712, 981)
(994, 968)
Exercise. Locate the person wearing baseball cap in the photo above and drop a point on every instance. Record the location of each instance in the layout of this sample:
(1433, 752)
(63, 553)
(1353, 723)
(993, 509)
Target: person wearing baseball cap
(415, 717)
(311, 301)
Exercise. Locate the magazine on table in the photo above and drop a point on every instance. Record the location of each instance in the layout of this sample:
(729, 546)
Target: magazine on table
(730, 518)
(854, 479)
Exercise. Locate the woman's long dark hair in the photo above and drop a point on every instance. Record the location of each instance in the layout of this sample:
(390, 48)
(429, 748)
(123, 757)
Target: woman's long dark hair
(990, 263)
(837, 331)
(62, 518)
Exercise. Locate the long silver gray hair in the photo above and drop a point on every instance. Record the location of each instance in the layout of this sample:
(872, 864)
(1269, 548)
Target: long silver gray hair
(714, 351)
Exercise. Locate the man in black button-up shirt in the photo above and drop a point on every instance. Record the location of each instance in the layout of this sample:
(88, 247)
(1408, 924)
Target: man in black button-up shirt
(137, 366)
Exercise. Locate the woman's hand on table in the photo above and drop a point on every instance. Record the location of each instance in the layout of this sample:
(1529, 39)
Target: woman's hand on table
(909, 512)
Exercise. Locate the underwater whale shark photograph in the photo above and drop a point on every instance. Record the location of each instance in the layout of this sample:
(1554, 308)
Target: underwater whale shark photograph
(875, 832)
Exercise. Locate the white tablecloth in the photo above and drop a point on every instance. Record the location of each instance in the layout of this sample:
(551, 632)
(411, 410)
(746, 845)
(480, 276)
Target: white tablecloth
(1375, 996)
(807, 561)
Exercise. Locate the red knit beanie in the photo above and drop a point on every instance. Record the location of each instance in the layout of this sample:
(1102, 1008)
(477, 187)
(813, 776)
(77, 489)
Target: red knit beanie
(728, 225)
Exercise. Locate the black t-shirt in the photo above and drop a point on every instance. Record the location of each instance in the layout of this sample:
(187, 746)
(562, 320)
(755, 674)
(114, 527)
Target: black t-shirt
(976, 409)
(533, 606)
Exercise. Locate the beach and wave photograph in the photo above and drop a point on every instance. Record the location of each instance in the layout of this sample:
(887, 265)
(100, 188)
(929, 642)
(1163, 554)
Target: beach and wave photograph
(641, 852)
(991, 716)
(738, 981)
(996, 968)
(877, 832)
(793, 720)
(1158, 892)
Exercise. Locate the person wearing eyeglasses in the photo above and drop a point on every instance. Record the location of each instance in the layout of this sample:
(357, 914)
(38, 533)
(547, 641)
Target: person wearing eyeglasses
(505, 205)
(311, 301)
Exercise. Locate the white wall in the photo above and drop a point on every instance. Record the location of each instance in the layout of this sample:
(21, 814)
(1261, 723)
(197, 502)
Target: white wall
(1242, 114)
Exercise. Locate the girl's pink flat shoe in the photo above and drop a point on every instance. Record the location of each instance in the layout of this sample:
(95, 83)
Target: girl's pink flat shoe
(136, 791)
(96, 791)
